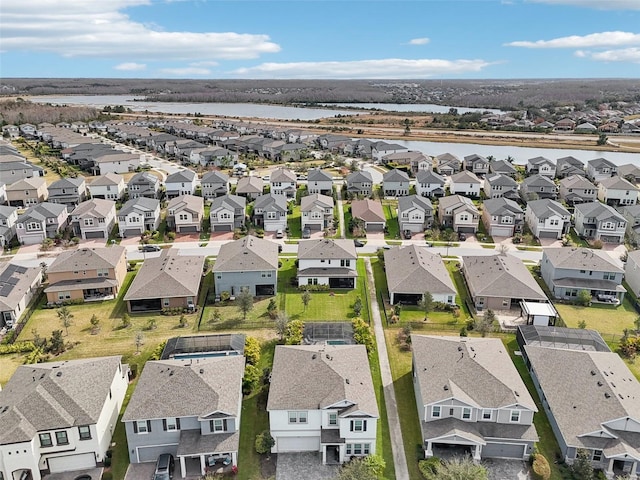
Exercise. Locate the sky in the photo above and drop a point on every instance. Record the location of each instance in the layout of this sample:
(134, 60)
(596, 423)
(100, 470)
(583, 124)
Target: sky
(320, 39)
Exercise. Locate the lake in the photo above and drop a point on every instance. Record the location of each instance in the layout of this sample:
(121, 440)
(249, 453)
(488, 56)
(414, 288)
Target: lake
(414, 107)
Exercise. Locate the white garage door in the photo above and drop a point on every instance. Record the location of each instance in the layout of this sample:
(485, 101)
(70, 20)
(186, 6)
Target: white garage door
(502, 450)
(500, 231)
(298, 444)
(72, 462)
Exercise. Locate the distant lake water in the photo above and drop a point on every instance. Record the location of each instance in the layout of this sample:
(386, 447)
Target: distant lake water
(413, 107)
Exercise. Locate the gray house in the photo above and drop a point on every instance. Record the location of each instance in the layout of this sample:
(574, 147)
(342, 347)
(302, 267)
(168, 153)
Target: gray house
(359, 183)
(601, 168)
(214, 184)
(538, 187)
(249, 262)
(415, 213)
(497, 185)
(144, 184)
(430, 184)
(395, 183)
(542, 166)
(576, 189)
(227, 213)
(270, 212)
(597, 221)
(502, 217)
(189, 409)
(631, 214)
(566, 271)
(319, 181)
(447, 164)
(41, 221)
(503, 167)
(68, 191)
(476, 164)
(567, 166)
(632, 271)
(139, 215)
(8, 218)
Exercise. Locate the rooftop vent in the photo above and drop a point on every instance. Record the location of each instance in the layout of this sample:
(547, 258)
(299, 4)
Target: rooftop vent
(202, 370)
(59, 374)
(446, 388)
(607, 395)
(593, 372)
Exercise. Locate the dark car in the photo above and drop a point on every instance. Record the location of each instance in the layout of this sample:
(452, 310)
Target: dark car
(358, 243)
(306, 233)
(462, 236)
(406, 234)
(164, 467)
(150, 248)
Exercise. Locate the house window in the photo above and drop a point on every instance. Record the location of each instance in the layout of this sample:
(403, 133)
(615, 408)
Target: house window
(84, 432)
(466, 413)
(345, 263)
(597, 456)
(61, 438)
(217, 425)
(609, 276)
(45, 440)
(358, 448)
(297, 417)
(88, 222)
(166, 302)
(142, 426)
(515, 416)
(171, 424)
(358, 426)
(271, 215)
(333, 419)
(505, 302)
(103, 272)
(64, 295)
(486, 414)
(435, 411)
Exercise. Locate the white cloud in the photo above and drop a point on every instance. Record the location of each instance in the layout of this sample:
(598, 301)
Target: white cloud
(419, 41)
(92, 28)
(598, 4)
(131, 66)
(602, 39)
(185, 72)
(203, 64)
(629, 55)
(385, 68)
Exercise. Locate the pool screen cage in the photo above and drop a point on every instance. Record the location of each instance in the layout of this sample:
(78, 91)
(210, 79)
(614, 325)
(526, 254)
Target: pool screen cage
(176, 346)
(335, 333)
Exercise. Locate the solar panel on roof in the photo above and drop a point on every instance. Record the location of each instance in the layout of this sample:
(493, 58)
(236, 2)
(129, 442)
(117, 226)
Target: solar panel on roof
(20, 269)
(6, 290)
(13, 281)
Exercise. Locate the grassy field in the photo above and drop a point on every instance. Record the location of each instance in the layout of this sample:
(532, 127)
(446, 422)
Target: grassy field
(231, 316)
(606, 319)
(294, 222)
(390, 213)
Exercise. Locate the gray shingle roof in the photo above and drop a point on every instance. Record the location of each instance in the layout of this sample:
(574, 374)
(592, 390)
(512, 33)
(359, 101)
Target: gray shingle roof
(317, 175)
(40, 399)
(539, 161)
(250, 184)
(546, 207)
(96, 207)
(414, 201)
(107, 179)
(618, 183)
(283, 175)
(214, 176)
(456, 201)
(41, 212)
(145, 178)
(232, 201)
(140, 204)
(577, 181)
(465, 176)
(248, 254)
(312, 377)
(582, 259)
(598, 210)
(600, 162)
(501, 206)
(167, 276)
(429, 176)
(495, 179)
(185, 175)
(27, 184)
(15, 283)
(502, 166)
(395, 175)
(185, 388)
(477, 371)
(500, 276)
(68, 182)
(272, 202)
(6, 211)
(327, 248)
(309, 201)
(474, 157)
(412, 269)
(87, 259)
(359, 177)
(538, 180)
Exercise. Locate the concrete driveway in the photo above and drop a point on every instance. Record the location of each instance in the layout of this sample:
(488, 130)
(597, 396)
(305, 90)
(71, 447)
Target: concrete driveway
(306, 465)
(507, 469)
(141, 471)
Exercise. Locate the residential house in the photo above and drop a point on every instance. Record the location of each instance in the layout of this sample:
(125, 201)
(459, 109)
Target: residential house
(319, 181)
(26, 192)
(321, 399)
(601, 168)
(599, 414)
(359, 183)
(41, 221)
(576, 189)
(415, 213)
(270, 212)
(465, 183)
(119, 162)
(597, 221)
(630, 171)
(94, 218)
(631, 214)
(167, 281)
(497, 185)
(8, 219)
(214, 184)
(459, 213)
(12, 131)
(538, 187)
(327, 262)
(499, 282)
(541, 166)
(566, 271)
(447, 164)
(18, 169)
(144, 184)
(185, 214)
(18, 286)
(179, 183)
(632, 271)
(504, 167)
(430, 184)
(3, 193)
(617, 192)
(316, 211)
(567, 166)
(476, 164)
(109, 187)
(139, 215)
(412, 271)
(413, 161)
(470, 395)
(502, 217)
(213, 156)
(283, 182)
(564, 125)
(547, 219)
(586, 127)
(250, 263)
(370, 213)
(331, 141)
(194, 416)
(86, 274)
(250, 187)
(69, 191)
(227, 213)
(380, 150)
(59, 416)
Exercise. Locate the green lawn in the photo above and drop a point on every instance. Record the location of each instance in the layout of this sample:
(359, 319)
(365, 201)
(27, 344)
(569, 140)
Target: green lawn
(205, 231)
(231, 316)
(606, 319)
(576, 240)
(383, 442)
(294, 222)
(393, 229)
(346, 208)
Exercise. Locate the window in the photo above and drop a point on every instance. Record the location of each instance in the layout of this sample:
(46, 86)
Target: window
(88, 222)
(297, 417)
(358, 448)
(358, 426)
(61, 438)
(466, 413)
(171, 424)
(486, 414)
(103, 272)
(45, 440)
(435, 411)
(333, 419)
(166, 302)
(345, 263)
(84, 432)
(64, 295)
(515, 416)
(217, 425)
(142, 426)
(597, 456)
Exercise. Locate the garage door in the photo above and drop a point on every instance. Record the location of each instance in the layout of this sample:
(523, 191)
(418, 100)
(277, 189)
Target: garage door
(191, 229)
(298, 444)
(132, 232)
(500, 231)
(466, 230)
(502, 450)
(94, 235)
(610, 239)
(374, 227)
(151, 454)
(72, 462)
(547, 234)
(222, 228)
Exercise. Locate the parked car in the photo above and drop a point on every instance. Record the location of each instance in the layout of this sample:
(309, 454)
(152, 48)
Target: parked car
(306, 233)
(164, 467)
(150, 248)
(279, 233)
(462, 236)
(406, 234)
(358, 243)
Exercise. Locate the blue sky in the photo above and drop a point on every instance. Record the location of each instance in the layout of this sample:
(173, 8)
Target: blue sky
(403, 39)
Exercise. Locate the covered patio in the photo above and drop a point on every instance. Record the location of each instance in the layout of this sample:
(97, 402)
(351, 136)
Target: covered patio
(91, 290)
(201, 454)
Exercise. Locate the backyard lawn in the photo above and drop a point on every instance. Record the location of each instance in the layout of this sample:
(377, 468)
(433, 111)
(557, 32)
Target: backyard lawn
(606, 319)
(389, 207)
(294, 222)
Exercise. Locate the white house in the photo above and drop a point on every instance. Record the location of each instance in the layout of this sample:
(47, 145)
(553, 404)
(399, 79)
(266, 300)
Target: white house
(319, 181)
(139, 215)
(600, 168)
(316, 211)
(617, 192)
(8, 218)
(110, 186)
(465, 183)
(185, 213)
(542, 166)
(181, 183)
(116, 163)
(321, 399)
(327, 262)
(415, 213)
(283, 182)
(546, 218)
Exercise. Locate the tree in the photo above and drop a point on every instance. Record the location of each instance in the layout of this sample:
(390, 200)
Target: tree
(272, 309)
(602, 139)
(264, 442)
(216, 316)
(252, 350)
(47, 244)
(484, 324)
(139, 340)
(364, 468)
(126, 320)
(357, 306)
(282, 320)
(66, 317)
(56, 343)
(457, 468)
(426, 304)
(584, 298)
(95, 324)
(306, 298)
(182, 322)
(581, 467)
(245, 302)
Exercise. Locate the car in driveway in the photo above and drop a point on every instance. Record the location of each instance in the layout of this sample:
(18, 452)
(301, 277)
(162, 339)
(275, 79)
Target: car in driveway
(358, 243)
(306, 233)
(164, 467)
(150, 248)
(462, 236)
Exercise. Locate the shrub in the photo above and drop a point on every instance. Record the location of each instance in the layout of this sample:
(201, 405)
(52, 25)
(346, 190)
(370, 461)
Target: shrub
(293, 332)
(540, 467)
(157, 352)
(362, 334)
(429, 467)
(107, 475)
(250, 379)
(252, 350)
(312, 288)
(19, 347)
(264, 442)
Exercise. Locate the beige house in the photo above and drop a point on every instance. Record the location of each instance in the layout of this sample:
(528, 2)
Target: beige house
(86, 274)
(94, 218)
(185, 213)
(26, 192)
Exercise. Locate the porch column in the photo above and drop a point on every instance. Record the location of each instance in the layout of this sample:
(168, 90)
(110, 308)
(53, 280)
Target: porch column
(476, 454)
(324, 454)
(634, 469)
(183, 468)
(234, 458)
(429, 450)
(203, 465)
(609, 471)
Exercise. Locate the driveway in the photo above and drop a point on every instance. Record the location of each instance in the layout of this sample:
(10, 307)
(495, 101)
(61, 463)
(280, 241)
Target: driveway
(142, 471)
(507, 469)
(307, 465)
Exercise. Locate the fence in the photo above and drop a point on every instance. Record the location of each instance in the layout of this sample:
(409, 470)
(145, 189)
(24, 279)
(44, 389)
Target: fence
(35, 303)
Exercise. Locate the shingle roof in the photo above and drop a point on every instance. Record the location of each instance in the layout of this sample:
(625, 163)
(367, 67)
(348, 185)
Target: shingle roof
(367, 210)
(500, 276)
(502, 166)
(495, 179)
(456, 201)
(581, 259)
(282, 175)
(143, 178)
(465, 176)
(231, 201)
(618, 183)
(139, 204)
(87, 259)
(185, 388)
(327, 248)
(42, 211)
(538, 180)
(27, 184)
(598, 210)
(68, 182)
(55, 395)
(412, 269)
(546, 207)
(96, 207)
(248, 254)
(359, 176)
(15, 283)
(539, 160)
(313, 377)
(169, 275)
(629, 169)
(186, 202)
(395, 175)
(250, 184)
(271, 201)
(214, 176)
(429, 176)
(477, 371)
(6, 211)
(107, 179)
(577, 181)
(185, 175)
(501, 206)
(414, 201)
(317, 175)
(474, 157)
(309, 201)
(600, 162)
